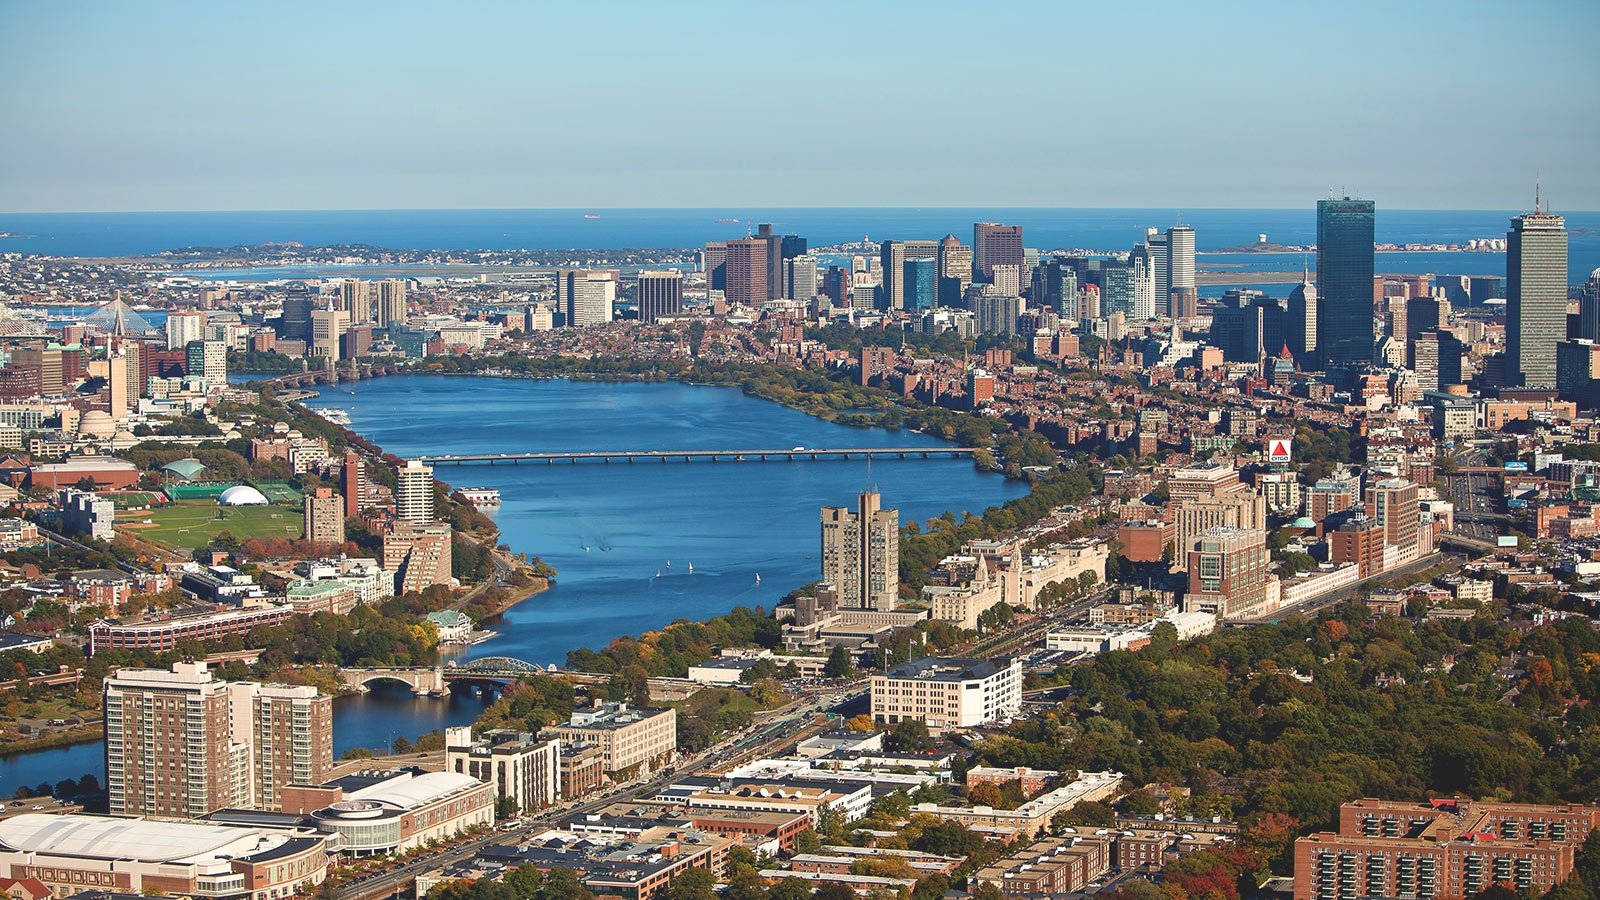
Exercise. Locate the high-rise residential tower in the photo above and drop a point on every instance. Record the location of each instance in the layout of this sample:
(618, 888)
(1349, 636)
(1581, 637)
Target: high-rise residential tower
(183, 744)
(995, 245)
(660, 294)
(861, 553)
(1536, 297)
(324, 516)
(391, 306)
(413, 491)
(183, 327)
(1344, 281)
(355, 298)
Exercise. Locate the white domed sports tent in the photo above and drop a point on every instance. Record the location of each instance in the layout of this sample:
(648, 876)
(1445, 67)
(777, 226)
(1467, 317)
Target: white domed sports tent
(241, 495)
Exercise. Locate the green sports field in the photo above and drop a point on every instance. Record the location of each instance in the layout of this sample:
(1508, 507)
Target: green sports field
(188, 524)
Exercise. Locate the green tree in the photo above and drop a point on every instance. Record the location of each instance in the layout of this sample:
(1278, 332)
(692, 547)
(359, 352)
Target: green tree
(790, 889)
(840, 664)
(692, 884)
(562, 883)
(910, 735)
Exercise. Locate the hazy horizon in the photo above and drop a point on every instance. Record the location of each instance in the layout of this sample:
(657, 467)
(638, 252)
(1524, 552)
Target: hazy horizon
(1309, 206)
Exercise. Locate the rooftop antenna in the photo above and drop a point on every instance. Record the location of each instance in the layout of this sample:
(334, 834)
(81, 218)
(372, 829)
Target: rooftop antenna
(1536, 187)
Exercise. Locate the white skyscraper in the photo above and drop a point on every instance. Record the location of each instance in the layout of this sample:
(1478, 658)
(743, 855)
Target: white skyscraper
(1157, 242)
(413, 491)
(1180, 261)
(183, 327)
(1144, 283)
(593, 298)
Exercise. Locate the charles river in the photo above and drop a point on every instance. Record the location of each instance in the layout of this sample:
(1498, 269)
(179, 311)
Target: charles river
(609, 529)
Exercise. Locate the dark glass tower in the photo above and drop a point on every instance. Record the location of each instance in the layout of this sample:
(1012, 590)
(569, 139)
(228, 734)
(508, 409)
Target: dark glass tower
(1344, 281)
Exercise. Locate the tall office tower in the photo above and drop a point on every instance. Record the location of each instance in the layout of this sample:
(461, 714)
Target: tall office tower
(994, 244)
(1117, 287)
(207, 359)
(1589, 308)
(183, 327)
(391, 306)
(955, 270)
(591, 298)
(1143, 275)
(1180, 259)
(355, 298)
(861, 553)
(774, 259)
(182, 744)
(352, 483)
(746, 278)
(1427, 313)
(660, 294)
(295, 324)
(327, 327)
(1157, 242)
(800, 277)
(324, 516)
(1303, 322)
(920, 283)
(1344, 282)
(1536, 297)
(793, 245)
(714, 263)
(413, 491)
(836, 285)
(1184, 303)
(892, 255)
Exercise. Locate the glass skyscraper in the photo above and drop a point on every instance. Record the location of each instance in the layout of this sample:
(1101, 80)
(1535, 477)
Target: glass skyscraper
(921, 283)
(1344, 281)
(1536, 298)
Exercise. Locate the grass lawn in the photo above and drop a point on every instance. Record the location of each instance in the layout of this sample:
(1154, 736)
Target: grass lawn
(188, 524)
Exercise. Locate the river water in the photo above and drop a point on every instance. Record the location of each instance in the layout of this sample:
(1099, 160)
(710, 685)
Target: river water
(609, 529)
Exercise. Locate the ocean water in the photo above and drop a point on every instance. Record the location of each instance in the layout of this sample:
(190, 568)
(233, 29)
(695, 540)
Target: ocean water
(119, 234)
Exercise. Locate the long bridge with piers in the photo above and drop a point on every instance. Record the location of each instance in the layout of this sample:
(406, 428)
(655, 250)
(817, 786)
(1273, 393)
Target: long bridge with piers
(434, 681)
(790, 454)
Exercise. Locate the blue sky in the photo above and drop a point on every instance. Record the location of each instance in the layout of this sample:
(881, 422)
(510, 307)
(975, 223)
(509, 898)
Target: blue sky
(288, 105)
